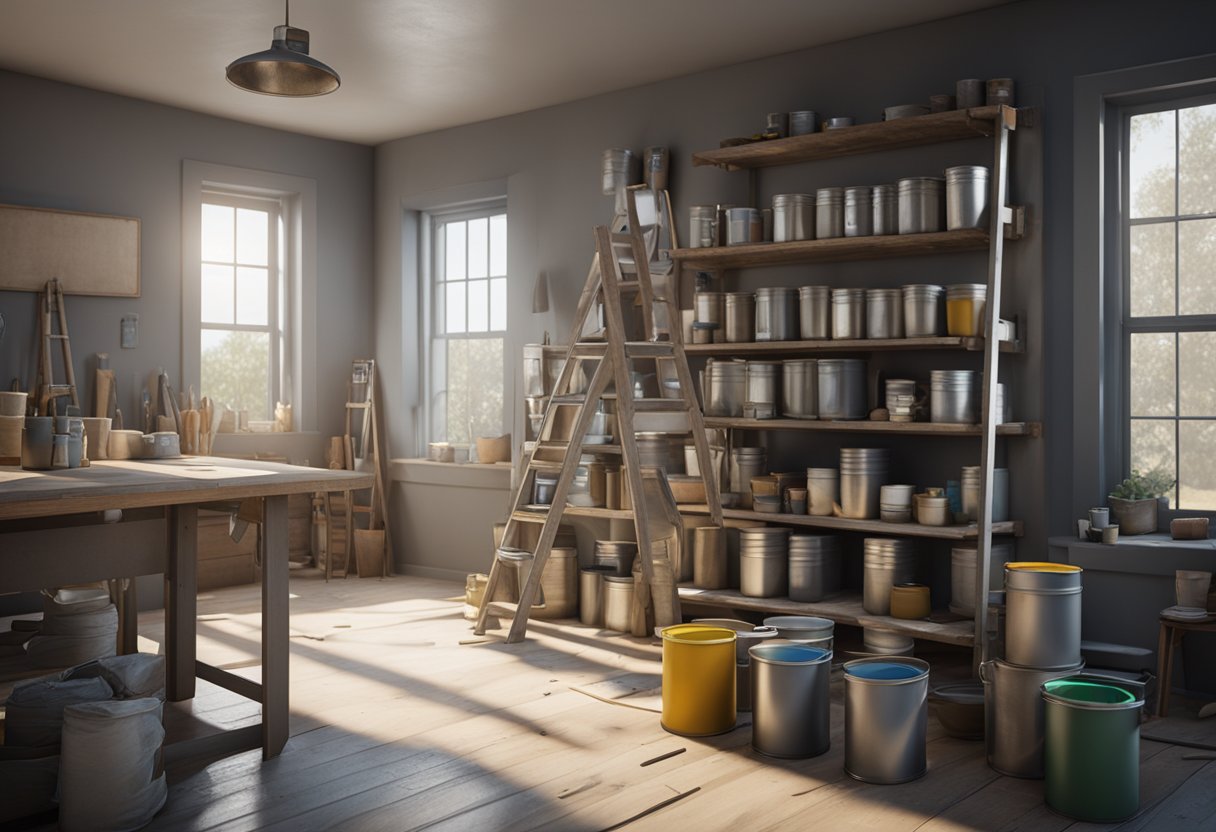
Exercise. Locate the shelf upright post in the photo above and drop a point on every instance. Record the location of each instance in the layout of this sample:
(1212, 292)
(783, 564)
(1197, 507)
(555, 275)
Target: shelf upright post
(999, 214)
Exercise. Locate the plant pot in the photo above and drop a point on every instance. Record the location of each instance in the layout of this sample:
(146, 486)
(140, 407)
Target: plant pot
(1133, 516)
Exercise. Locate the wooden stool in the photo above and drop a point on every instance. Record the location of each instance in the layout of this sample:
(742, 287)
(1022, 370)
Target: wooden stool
(1170, 637)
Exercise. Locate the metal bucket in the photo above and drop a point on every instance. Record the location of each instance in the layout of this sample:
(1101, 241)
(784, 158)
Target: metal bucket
(922, 204)
(743, 226)
(793, 217)
(963, 561)
(777, 314)
(884, 313)
(842, 388)
(543, 488)
(803, 628)
(863, 471)
(1013, 709)
(746, 463)
(1091, 749)
(559, 585)
(848, 313)
(954, 396)
(799, 383)
(858, 211)
(884, 200)
(815, 574)
(823, 491)
(762, 380)
(619, 169)
(924, 312)
(763, 575)
(746, 635)
(709, 557)
(725, 387)
(829, 213)
(967, 197)
(815, 312)
(791, 700)
(1043, 615)
(703, 226)
(803, 122)
(698, 680)
(618, 603)
(591, 594)
(616, 554)
(969, 486)
(965, 304)
(740, 325)
(885, 563)
(886, 714)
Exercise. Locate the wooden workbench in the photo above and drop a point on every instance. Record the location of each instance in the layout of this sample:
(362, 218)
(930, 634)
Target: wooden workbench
(53, 532)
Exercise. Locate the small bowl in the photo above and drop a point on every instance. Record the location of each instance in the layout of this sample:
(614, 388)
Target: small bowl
(766, 503)
(959, 708)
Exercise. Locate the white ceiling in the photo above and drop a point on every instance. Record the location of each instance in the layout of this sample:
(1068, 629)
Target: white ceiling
(411, 66)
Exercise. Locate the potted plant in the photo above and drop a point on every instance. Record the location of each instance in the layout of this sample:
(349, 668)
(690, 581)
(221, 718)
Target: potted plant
(1133, 502)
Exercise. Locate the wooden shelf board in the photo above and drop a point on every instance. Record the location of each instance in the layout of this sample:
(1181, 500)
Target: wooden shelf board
(944, 342)
(844, 524)
(836, 249)
(860, 138)
(864, 426)
(843, 609)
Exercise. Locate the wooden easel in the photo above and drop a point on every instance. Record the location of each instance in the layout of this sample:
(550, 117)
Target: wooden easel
(47, 389)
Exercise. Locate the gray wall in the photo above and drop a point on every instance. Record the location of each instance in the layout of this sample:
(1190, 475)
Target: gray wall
(76, 149)
(550, 159)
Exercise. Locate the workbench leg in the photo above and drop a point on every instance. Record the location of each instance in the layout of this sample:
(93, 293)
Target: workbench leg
(276, 650)
(181, 602)
(128, 611)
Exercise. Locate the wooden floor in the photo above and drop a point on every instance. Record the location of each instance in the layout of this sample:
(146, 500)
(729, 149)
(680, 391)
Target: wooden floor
(399, 722)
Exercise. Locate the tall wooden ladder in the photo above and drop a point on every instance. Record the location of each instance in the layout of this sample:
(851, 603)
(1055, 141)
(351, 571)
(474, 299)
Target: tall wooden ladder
(619, 271)
(52, 311)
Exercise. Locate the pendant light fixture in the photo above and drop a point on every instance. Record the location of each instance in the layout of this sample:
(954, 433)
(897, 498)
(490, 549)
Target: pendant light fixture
(285, 68)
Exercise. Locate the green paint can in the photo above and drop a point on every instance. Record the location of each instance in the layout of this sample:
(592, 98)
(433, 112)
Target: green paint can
(1092, 749)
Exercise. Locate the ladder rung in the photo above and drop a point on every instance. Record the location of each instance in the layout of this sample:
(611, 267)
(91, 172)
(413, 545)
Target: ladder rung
(359, 405)
(361, 509)
(589, 349)
(660, 406)
(545, 465)
(58, 337)
(530, 516)
(629, 285)
(569, 398)
(651, 349)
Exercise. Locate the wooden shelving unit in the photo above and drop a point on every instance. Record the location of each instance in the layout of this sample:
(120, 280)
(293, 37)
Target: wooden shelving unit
(844, 609)
(844, 524)
(802, 348)
(833, 250)
(1033, 429)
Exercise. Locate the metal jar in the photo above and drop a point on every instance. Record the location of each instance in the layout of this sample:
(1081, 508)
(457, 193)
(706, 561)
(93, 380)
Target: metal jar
(816, 566)
(815, 312)
(965, 308)
(617, 555)
(823, 491)
(791, 700)
(842, 388)
(777, 314)
(954, 396)
(963, 563)
(1091, 747)
(829, 213)
(656, 162)
(619, 170)
(1013, 709)
(740, 317)
(559, 585)
(746, 463)
(793, 217)
(709, 308)
(863, 472)
(1043, 615)
(924, 310)
(763, 562)
(884, 200)
(698, 680)
(803, 122)
(969, 486)
(725, 387)
(886, 715)
(884, 313)
(618, 603)
(858, 212)
(703, 226)
(762, 380)
(709, 557)
(799, 383)
(848, 314)
(885, 563)
(967, 197)
(922, 204)
(591, 594)
(743, 226)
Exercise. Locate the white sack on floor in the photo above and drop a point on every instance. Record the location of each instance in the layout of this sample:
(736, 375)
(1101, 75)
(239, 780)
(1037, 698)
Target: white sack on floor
(34, 710)
(67, 640)
(109, 773)
(71, 600)
(27, 782)
(133, 676)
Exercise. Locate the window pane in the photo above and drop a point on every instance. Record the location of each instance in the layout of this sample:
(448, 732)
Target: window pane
(1152, 445)
(1197, 485)
(217, 233)
(252, 296)
(235, 370)
(478, 247)
(454, 267)
(252, 232)
(498, 244)
(498, 304)
(479, 311)
(1152, 374)
(1197, 266)
(1197, 160)
(1151, 165)
(455, 308)
(217, 294)
(1152, 269)
(1196, 360)
(475, 389)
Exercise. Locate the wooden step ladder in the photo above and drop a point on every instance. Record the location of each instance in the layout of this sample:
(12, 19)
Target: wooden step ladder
(608, 283)
(47, 390)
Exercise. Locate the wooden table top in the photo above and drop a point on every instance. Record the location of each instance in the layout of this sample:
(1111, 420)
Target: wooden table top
(136, 483)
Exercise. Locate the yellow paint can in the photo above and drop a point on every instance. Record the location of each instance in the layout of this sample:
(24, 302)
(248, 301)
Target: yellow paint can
(698, 680)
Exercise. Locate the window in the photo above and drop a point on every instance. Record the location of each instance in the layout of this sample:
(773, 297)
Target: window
(239, 296)
(468, 291)
(1168, 257)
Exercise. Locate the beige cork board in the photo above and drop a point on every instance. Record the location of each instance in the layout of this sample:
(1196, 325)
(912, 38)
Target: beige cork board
(91, 254)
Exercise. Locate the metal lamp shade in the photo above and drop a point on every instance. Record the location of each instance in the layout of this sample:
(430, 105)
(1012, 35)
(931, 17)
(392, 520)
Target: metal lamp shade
(284, 69)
